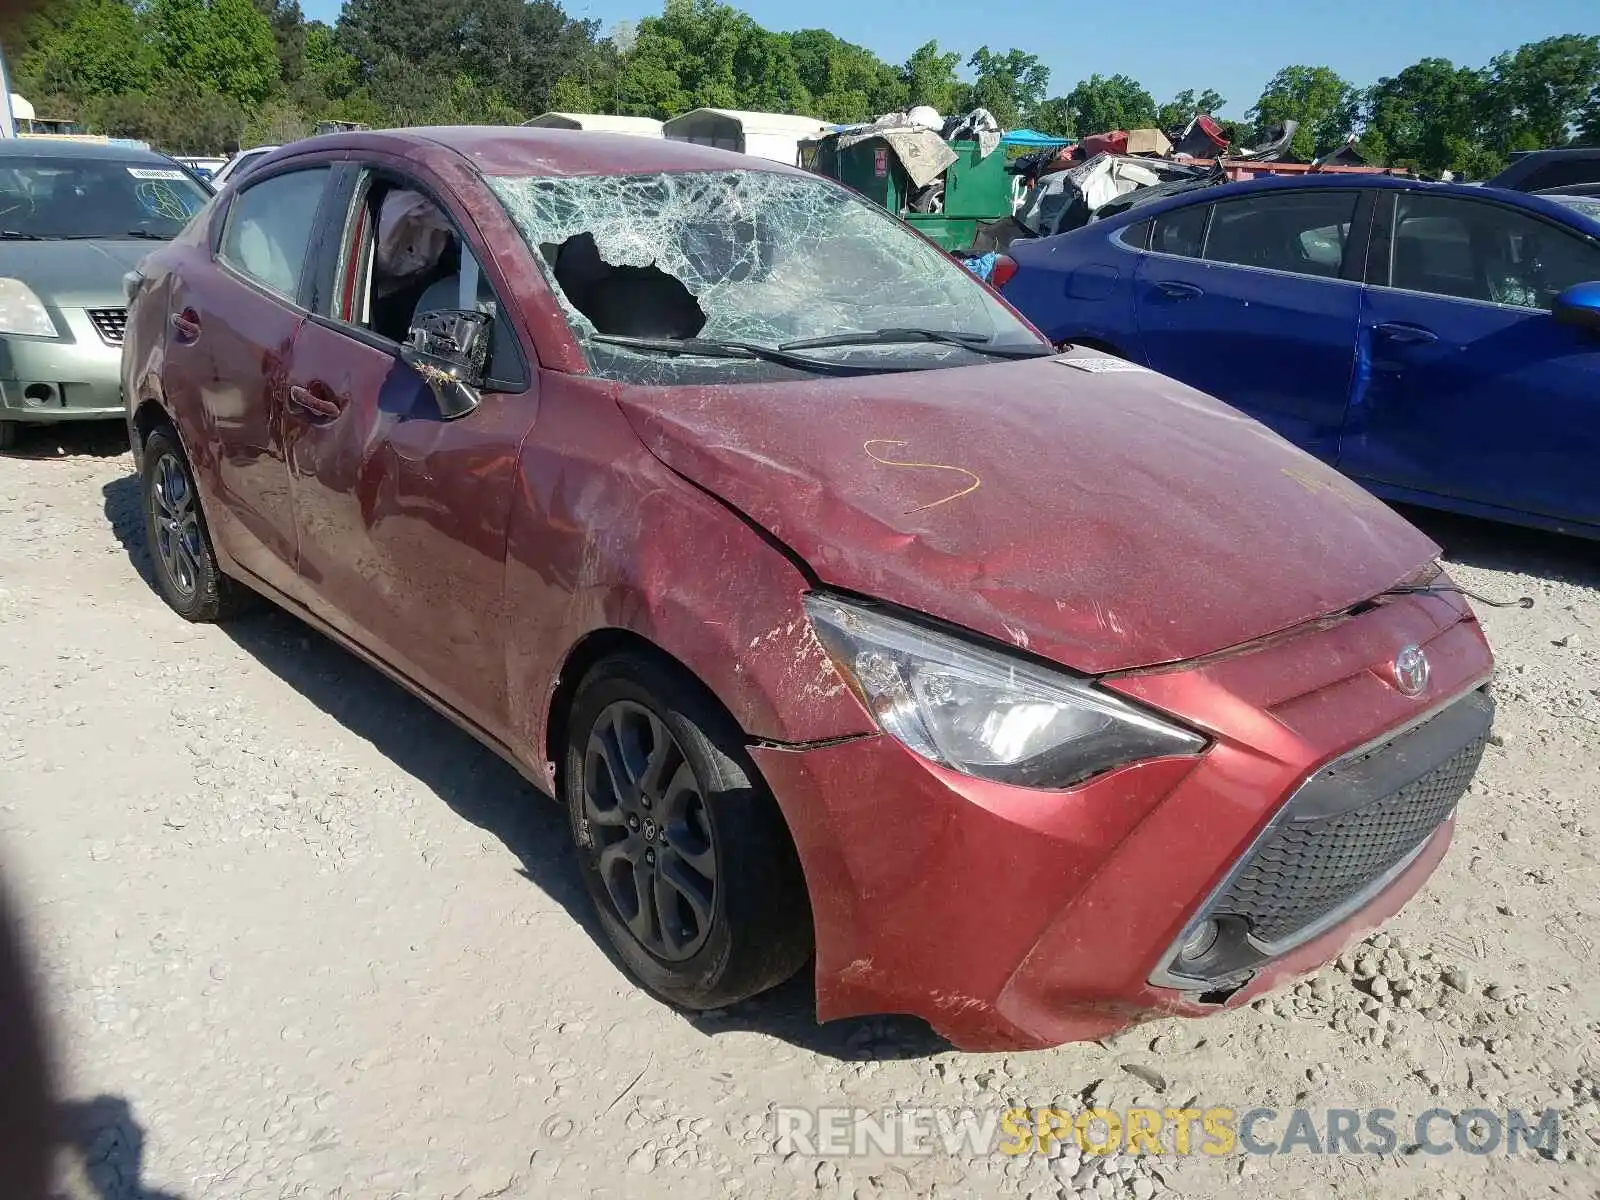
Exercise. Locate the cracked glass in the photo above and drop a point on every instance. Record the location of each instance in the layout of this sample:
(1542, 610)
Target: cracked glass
(747, 256)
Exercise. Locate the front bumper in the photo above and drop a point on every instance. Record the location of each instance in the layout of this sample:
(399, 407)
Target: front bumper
(77, 376)
(1010, 918)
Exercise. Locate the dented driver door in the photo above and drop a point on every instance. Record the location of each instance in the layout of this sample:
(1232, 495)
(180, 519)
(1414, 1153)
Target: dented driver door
(401, 514)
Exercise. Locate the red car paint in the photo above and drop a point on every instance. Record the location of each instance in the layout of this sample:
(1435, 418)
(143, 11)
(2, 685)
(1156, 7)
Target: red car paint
(1105, 522)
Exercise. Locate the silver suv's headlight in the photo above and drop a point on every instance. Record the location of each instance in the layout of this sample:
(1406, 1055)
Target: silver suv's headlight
(983, 712)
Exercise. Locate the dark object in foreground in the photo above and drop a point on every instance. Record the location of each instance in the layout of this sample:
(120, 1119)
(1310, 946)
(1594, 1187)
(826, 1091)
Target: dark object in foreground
(27, 1130)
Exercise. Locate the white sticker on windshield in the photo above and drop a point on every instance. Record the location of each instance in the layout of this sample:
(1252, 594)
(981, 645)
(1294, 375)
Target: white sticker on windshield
(1098, 366)
(156, 173)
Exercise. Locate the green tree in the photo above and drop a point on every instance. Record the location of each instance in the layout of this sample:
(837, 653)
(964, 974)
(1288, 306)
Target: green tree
(1589, 120)
(1325, 105)
(224, 46)
(1100, 104)
(495, 55)
(1010, 85)
(929, 77)
(704, 54)
(590, 84)
(1539, 94)
(846, 82)
(649, 83)
(766, 77)
(1176, 113)
(85, 49)
(1054, 116)
(329, 69)
(178, 117)
(289, 33)
(276, 122)
(1428, 118)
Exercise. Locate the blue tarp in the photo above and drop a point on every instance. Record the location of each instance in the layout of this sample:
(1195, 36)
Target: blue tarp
(1033, 139)
(982, 266)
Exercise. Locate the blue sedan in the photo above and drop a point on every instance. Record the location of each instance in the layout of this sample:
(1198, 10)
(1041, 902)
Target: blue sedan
(1437, 342)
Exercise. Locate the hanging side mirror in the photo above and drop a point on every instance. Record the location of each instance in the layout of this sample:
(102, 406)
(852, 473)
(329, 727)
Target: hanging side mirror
(449, 349)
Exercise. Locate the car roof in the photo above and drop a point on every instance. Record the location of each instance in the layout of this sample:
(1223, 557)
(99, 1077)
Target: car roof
(1300, 183)
(1555, 154)
(27, 147)
(529, 150)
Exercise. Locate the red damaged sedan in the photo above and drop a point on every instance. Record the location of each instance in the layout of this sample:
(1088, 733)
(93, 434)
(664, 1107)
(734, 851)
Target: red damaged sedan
(1029, 692)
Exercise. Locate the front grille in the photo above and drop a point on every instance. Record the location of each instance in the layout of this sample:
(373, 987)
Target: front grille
(1304, 870)
(109, 323)
(1333, 846)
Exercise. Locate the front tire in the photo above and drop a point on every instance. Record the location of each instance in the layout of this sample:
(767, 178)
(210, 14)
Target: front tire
(186, 568)
(681, 844)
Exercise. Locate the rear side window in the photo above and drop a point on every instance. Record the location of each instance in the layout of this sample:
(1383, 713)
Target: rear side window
(1301, 232)
(270, 226)
(1180, 232)
(1449, 246)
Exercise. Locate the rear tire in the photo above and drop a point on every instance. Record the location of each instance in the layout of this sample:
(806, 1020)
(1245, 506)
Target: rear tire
(185, 564)
(681, 844)
(8, 434)
(929, 199)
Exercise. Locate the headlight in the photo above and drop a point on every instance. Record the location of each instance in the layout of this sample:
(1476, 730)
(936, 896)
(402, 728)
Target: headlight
(983, 712)
(21, 310)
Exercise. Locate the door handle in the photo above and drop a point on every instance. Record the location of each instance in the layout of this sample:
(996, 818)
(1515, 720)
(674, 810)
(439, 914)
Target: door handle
(1178, 290)
(308, 401)
(1410, 335)
(186, 325)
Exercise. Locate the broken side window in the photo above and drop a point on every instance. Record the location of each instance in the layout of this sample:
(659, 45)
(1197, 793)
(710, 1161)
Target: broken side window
(746, 255)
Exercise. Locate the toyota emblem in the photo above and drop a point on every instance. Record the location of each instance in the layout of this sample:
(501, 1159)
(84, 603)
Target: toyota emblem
(1411, 670)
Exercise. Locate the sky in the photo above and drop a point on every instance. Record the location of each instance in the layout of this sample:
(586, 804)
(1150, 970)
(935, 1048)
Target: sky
(1172, 44)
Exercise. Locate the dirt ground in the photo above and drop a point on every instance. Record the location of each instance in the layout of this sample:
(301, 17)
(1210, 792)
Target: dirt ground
(301, 937)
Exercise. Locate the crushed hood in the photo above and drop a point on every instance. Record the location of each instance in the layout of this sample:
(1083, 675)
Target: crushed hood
(1103, 520)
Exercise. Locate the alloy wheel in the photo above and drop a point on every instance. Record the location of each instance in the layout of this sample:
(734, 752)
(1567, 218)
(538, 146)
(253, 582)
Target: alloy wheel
(176, 524)
(650, 832)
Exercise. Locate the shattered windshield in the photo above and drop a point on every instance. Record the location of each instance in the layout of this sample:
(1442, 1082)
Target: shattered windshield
(754, 257)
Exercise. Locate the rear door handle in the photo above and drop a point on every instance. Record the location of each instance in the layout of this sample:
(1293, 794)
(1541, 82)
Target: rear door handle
(1412, 335)
(309, 401)
(186, 325)
(1177, 290)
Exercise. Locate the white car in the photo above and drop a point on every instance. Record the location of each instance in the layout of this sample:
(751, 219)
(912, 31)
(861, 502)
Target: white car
(239, 164)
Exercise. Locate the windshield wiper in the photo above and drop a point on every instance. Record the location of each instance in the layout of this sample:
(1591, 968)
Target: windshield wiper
(16, 235)
(146, 234)
(720, 348)
(976, 342)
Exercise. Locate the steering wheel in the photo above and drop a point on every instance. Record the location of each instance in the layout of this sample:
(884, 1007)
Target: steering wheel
(15, 204)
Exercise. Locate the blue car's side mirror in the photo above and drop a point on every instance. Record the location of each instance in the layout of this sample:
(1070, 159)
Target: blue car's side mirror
(1579, 305)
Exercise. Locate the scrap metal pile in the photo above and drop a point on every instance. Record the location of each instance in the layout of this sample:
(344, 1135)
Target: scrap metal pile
(1107, 173)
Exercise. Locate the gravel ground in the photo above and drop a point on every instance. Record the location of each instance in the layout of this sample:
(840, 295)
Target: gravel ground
(301, 937)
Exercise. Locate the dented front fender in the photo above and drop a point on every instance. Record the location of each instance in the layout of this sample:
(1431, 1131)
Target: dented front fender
(616, 541)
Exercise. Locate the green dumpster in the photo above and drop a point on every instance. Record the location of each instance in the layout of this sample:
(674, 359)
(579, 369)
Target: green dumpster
(974, 189)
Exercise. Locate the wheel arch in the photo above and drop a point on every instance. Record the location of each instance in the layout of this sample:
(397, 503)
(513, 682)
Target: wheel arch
(150, 414)
(609, 641)
(592, 648)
